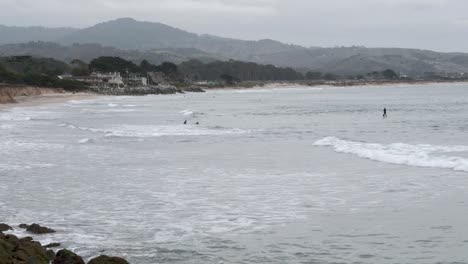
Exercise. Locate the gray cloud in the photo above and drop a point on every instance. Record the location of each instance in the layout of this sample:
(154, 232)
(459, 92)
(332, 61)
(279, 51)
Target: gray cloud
(428, 24)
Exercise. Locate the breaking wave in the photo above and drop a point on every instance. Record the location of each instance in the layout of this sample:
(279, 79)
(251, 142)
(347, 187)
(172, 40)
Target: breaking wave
(399, 153)
(159, 131)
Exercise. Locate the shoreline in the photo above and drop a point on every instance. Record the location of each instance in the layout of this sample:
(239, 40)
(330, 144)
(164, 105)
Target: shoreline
(59, 96)
(48, 98)
(331, 84)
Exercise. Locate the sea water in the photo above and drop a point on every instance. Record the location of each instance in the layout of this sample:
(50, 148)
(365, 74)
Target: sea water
(290, 175)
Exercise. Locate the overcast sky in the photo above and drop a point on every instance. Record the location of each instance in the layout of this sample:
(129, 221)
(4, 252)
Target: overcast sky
(428, 24)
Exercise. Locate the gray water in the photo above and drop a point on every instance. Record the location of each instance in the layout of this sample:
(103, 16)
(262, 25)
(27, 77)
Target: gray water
(309, 175)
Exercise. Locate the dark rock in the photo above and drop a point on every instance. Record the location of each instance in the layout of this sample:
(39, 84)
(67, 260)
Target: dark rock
(36, 260)
(5, 227)
(108, 260)
(67, 257)
(194, 89)
(50, 254)
(21, 251)
(52, 245)
(37, 229)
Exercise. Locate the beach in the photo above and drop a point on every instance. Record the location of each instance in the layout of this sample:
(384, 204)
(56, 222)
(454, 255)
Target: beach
(49, 98)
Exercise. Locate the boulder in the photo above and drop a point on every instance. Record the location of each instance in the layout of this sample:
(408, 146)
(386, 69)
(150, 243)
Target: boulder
(50, 254)
(67, 257)
(37, 229)
(52, 245)
(21, 251)
(5, 227)
(107, 260)
(194, 89)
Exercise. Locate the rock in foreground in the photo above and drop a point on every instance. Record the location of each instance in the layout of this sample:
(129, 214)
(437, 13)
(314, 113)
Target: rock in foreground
(21, 251)
(107, 260)
(67, 257)
(5, 227)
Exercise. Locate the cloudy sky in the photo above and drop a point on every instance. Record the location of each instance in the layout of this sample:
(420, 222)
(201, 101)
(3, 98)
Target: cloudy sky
(428, 24)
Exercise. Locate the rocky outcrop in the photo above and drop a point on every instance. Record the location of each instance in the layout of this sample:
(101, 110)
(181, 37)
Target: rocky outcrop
(37, 229)
(193, 89)
(21, 251)
(5, 227)
(65, 256)
(107, 260)
(14, 250)
(52, 245)
(146, 90)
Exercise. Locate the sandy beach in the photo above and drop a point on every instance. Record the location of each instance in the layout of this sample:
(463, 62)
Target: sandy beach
(52, 98)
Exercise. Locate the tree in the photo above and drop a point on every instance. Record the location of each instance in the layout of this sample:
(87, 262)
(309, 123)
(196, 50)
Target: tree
(228, 79)
(114, 64)
(79, 68)
(314, 76)
(169, 68)
(390, 74)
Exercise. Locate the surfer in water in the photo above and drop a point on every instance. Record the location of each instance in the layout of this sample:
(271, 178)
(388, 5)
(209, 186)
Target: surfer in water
(385, 113)
(185, 122)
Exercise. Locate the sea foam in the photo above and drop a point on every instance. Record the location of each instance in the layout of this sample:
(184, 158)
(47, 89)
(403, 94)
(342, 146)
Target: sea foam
(423, 155)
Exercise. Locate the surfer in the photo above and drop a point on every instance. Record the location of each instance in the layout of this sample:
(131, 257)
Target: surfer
(185, 122)
(385, 113)
(197, 123)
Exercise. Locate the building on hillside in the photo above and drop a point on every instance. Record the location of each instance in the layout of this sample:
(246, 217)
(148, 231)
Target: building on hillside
(98, 79)
(135, 80)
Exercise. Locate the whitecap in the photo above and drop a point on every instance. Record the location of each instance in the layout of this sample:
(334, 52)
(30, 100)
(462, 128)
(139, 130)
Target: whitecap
(422, 155)
(84, 141)
(188, 112)
(158, 131)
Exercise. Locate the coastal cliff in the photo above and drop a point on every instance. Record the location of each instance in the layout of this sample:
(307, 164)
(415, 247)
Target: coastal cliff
(9, 93)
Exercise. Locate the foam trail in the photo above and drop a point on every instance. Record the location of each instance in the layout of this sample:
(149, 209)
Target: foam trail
(188, 112)
(399, 153)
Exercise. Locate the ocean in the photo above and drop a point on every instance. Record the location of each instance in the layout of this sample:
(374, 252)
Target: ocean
(274, 175)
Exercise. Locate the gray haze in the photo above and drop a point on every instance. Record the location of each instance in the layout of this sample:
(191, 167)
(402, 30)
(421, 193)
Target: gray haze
(440, 25)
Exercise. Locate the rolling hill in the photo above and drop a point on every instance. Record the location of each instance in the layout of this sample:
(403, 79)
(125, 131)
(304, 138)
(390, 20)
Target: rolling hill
(135, 40)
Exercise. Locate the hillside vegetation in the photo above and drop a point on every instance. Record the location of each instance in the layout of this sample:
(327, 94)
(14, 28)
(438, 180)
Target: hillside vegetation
(134, 40)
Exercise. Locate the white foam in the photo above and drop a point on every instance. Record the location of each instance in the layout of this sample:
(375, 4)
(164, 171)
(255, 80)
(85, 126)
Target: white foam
(84, 141)
(178, 130)
(142, 131)
(111, 110)
(112, 105)
(188, 112)
(400, 153)
(27, 114)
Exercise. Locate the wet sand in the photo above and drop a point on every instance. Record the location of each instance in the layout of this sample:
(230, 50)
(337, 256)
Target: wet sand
(52, 98)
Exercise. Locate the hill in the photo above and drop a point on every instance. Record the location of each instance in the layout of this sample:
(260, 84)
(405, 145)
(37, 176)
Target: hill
(12, 35)
(156, 42)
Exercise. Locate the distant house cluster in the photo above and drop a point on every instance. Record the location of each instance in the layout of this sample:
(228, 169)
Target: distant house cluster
(110, 80)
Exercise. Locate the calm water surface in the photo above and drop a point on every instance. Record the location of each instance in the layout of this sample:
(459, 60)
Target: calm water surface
(299, 175)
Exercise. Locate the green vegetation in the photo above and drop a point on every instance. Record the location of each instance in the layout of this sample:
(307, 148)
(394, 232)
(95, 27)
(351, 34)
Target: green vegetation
(114, 64)
(236, 71)
(36, 72)
(30, 65)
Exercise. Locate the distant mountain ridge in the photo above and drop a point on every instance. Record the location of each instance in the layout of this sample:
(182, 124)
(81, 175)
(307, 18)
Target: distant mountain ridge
(133, 40)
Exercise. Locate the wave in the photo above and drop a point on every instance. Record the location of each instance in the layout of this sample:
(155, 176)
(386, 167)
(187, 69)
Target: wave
(28, 114)
(399, 153)
(145, 131)
(188, 112)
(278, 89)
